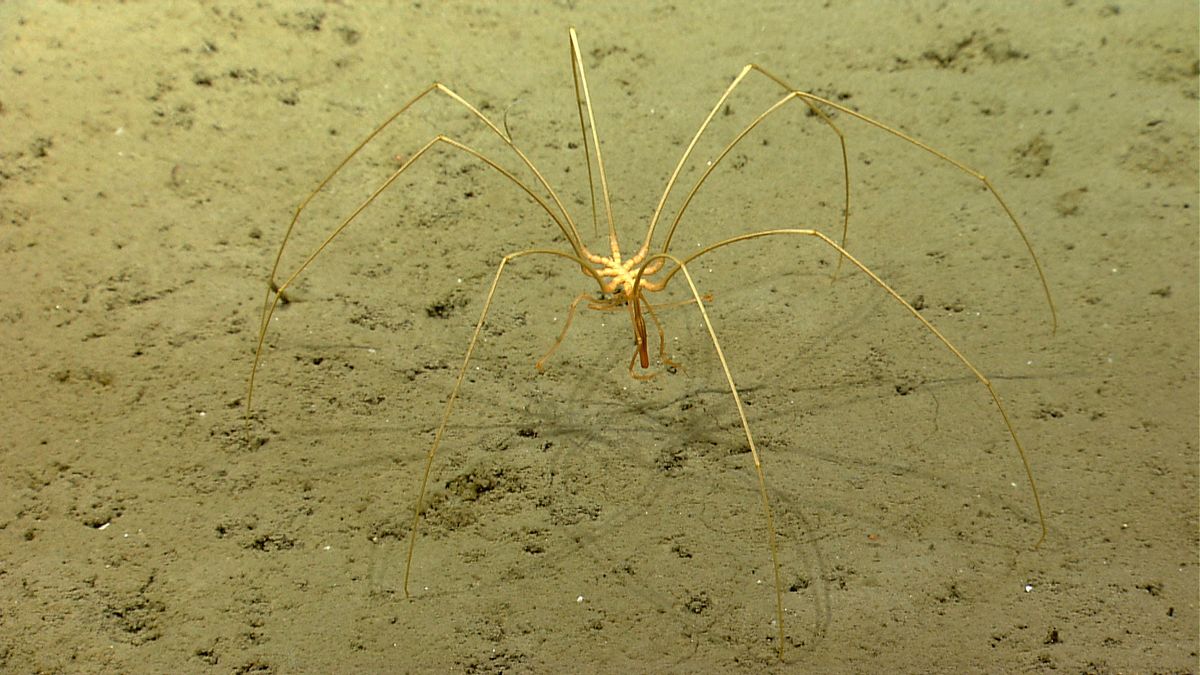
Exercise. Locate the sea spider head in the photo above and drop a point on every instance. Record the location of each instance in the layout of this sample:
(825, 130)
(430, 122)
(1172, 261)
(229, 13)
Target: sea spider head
(624, 282)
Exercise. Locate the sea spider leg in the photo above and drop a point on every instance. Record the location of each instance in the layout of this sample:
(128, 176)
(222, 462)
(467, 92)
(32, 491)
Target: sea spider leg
(568, 227)
(462, 372)
(815, 104)
(582, 88)
(878, 281)
(983, 180)
(681, 265)
(687, 153)
(279, 289)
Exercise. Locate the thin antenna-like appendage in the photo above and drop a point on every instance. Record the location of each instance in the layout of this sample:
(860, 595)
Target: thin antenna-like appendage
(737, 400)
(1012, 432)
(577, 68)
(587, 154)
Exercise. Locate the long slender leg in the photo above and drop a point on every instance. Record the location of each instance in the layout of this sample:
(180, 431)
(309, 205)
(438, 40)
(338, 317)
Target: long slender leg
(737, 400)
(925, 322)
(437, 437)
(581, 87)
(983, 180)
(816, 110)
(279, 289)
(576, 67)
(436, 87)
(462, 373)
(815, 104)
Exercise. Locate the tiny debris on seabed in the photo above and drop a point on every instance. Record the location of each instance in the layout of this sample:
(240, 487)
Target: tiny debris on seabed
(1028, 588)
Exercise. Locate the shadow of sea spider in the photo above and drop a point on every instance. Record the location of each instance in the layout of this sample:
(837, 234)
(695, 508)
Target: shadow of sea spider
(625, 282)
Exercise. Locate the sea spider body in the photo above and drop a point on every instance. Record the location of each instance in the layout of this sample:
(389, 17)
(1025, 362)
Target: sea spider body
(623, 283)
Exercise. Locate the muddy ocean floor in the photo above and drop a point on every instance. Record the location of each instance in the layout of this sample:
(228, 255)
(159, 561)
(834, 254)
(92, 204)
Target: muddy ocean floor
(153, 154)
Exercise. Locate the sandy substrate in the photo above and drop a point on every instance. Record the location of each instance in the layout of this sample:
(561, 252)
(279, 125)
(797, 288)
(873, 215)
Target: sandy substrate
(152, 154)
